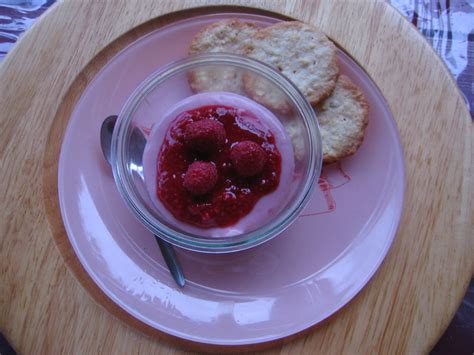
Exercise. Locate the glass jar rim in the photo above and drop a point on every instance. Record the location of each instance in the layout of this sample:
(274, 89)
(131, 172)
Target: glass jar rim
(122, 175)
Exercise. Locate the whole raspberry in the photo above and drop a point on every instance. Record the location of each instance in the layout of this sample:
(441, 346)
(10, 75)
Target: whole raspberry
(248, 158)
(204, 136)
(200, 178)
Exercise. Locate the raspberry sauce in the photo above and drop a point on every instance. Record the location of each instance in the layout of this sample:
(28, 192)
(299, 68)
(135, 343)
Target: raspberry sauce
(233, 196)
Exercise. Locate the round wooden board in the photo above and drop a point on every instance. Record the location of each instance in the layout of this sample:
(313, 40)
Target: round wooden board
(405, 307)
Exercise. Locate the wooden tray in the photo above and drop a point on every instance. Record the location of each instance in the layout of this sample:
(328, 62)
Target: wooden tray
(406, 306)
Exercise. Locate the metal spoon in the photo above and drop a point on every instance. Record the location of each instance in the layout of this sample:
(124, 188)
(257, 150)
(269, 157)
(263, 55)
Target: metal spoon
(138, 142)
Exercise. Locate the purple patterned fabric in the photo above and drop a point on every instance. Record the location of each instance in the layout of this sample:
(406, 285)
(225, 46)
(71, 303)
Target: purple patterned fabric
(448, 25)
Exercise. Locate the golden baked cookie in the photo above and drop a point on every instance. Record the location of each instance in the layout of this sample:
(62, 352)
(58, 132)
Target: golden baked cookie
(342, 117)
(300, 52)
(226, 36)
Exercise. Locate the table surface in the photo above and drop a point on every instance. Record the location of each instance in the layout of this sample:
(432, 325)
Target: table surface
(436, 33)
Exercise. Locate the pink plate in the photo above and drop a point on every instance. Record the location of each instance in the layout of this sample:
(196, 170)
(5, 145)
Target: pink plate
(274, 290)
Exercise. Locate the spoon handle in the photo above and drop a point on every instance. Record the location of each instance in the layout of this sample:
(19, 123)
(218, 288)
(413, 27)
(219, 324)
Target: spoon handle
(171, 260)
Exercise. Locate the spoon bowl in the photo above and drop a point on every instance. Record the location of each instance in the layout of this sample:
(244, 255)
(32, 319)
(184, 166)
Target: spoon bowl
(137, 145)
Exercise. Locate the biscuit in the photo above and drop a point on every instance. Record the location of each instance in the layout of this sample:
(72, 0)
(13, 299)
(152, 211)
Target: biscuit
(266, 93)
(342, 117)
(300, 52)
(297, 133)
(226, 36)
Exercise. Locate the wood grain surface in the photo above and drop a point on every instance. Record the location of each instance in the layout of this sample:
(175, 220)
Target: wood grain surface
(405, 307)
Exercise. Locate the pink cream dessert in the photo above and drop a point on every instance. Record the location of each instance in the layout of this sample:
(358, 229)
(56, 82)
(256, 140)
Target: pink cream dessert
(218, 165)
